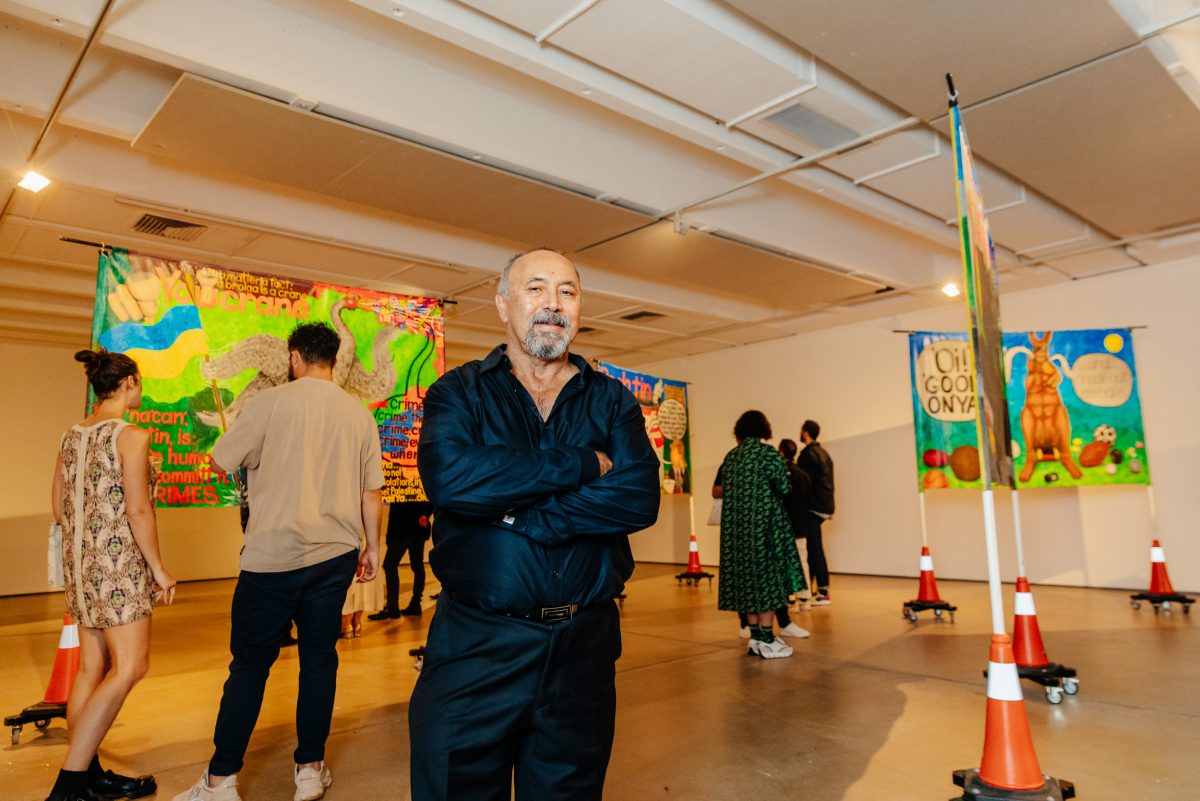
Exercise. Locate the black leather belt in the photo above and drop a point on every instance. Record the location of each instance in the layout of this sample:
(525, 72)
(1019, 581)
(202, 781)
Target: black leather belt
(546, 614)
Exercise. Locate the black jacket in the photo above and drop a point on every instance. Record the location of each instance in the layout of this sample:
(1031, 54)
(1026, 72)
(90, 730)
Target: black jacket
(814, 460)
(524, 520)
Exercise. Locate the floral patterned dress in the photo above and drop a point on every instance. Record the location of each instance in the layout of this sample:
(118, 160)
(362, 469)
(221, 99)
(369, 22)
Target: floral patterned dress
(107, 581)
(759, 563)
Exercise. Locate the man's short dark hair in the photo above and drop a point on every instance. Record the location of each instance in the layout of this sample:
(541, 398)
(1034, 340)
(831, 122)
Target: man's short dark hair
(752, 425)
(316, 343)
(812, 428)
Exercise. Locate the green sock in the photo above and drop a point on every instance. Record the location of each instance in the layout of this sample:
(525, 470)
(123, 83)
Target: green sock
(762, 633)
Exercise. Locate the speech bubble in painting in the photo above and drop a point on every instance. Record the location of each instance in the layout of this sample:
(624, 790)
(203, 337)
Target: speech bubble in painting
(945, 385)
(672, 419)
(1101, 379)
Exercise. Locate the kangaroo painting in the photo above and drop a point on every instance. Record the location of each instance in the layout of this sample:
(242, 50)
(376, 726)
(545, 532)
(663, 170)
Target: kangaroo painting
(1045, 423)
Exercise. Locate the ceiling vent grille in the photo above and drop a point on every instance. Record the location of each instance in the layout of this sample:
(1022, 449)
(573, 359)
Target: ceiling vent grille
(166, 227)
(642, 315)
(811, 126)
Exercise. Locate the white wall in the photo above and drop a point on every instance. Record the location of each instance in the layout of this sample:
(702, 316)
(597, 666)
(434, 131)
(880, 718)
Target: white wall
(854, 380)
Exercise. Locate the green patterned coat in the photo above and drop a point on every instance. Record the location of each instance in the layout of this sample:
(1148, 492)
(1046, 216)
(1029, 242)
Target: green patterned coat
(759, 563)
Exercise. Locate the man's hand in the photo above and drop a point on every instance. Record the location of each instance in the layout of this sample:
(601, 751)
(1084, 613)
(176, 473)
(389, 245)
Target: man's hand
(605, 462)
(368, 565)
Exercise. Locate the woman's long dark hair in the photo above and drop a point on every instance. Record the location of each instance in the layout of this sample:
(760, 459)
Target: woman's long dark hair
(106, 370)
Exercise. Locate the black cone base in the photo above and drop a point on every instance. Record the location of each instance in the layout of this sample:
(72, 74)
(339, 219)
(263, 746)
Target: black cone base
(976, 789)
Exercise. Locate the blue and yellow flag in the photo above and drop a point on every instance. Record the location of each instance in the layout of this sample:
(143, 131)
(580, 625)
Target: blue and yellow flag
(162, 349)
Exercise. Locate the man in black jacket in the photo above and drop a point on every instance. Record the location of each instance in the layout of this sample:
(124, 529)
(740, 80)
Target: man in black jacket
(539, 468)
(815, 462)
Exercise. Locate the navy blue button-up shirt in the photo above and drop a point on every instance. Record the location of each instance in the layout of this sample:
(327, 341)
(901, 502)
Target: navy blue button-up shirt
(523, 518)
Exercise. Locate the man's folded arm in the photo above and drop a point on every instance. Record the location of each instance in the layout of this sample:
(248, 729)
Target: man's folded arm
(622, 501)
(484, 481)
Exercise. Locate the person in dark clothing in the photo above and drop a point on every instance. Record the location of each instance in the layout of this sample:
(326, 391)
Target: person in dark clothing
(796, 501)
(539, 468)
(407, 530)
(814, 460)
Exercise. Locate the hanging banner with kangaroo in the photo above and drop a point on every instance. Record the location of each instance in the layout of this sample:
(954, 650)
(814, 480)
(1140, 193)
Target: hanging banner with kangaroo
(1073, 408)
(207, 339)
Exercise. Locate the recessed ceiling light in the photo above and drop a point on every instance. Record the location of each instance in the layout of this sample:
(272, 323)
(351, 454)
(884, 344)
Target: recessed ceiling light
(477, 157)
(950, 290)
(57, 22)
(720, 147)
(586, 91)
(34, 182)
(397, 12)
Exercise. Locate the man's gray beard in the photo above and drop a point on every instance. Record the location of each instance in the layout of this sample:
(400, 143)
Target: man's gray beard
(546, 345)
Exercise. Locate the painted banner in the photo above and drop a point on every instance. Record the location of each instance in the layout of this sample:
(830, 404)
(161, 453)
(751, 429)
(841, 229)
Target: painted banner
(665, 407)
(982, 290)
(207, 339)
(1072, 404)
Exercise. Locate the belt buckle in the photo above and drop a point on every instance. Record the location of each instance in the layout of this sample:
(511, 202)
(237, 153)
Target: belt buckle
(557, 614)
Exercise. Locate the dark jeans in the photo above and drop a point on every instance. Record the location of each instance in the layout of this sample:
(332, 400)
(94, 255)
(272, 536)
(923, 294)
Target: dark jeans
(503, 702)
(818, 569)
(264, 606)
(398, 544)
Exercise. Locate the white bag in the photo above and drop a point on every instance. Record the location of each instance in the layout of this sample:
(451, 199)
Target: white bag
(714, 514)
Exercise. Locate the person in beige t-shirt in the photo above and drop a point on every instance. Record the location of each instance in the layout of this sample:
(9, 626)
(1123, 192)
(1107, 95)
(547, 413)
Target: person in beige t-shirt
(314, 474)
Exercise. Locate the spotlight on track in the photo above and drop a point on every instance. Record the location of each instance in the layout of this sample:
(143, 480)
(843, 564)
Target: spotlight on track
(34, 182)
(951, 290)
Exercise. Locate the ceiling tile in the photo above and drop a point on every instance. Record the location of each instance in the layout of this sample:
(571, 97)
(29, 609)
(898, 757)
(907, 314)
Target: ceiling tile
(531, 16)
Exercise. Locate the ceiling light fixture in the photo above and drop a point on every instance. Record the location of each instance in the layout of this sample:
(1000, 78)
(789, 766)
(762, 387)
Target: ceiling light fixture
(34, 182)
(397, 12)
(950, 290)
(586, 91)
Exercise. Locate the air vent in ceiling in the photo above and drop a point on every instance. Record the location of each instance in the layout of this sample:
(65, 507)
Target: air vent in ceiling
(642, 315)
(811, 126)
(166, 227)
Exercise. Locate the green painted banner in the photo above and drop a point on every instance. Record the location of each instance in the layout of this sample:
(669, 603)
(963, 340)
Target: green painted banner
(207, 339)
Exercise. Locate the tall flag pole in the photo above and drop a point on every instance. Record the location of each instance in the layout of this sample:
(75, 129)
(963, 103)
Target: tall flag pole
(1009, 768)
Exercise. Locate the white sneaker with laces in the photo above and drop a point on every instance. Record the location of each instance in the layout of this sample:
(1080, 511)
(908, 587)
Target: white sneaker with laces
(792, 630)
(310, 783)
(200, 791)
(775, 649)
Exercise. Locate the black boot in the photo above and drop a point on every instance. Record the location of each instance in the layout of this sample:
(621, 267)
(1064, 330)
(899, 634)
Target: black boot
(413, 609)
(386, 613)
(109, 786)
(71, 785)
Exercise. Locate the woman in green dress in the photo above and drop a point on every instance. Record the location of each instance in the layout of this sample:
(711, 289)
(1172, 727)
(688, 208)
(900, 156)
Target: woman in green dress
(760, 567)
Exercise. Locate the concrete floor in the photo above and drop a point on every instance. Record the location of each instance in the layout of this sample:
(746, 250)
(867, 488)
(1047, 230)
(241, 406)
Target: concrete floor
(870, 707)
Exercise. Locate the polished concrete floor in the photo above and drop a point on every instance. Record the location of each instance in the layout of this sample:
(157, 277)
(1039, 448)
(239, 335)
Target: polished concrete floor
(871, 707)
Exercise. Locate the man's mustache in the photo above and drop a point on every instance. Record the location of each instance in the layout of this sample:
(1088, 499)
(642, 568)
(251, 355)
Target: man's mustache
(545, 316)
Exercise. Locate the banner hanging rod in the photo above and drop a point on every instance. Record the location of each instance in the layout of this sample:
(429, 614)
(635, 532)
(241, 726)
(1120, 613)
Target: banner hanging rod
(914, 331)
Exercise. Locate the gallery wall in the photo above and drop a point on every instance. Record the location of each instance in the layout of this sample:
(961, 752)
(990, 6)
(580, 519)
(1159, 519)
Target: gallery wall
(854, 380)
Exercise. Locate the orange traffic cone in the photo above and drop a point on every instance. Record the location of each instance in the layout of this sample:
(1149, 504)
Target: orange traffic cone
(1028, 649)
(1009, 760)
(927, 591)
(1010, 766)
(1160, 582)
(66, 664)
(695, 571)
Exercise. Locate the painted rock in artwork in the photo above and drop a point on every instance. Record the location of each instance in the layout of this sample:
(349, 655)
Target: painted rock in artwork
(935, 479)
(1094, 453)
(935, 458)
(1135, 466)
(1116, 456)
(965, 463)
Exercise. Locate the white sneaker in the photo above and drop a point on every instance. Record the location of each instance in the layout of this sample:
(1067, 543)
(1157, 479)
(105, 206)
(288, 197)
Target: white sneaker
(200, 791)
(310, 783)
(775, 649)
(792, 630)
(744, 633)
(752, 648)
(820, 600)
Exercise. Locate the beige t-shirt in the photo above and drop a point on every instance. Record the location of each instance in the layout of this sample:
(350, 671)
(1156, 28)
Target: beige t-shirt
(311, 451)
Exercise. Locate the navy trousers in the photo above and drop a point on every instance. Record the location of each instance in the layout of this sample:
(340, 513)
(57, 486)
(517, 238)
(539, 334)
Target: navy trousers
(264, 606)
(504, 704)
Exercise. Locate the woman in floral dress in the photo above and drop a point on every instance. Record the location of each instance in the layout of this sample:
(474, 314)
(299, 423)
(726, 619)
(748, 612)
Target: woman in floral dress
(103, 497)
(760, 567)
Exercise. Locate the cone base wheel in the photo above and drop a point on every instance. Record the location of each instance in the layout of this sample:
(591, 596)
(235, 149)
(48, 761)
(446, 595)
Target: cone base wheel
(912, 608)
(976, 789)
